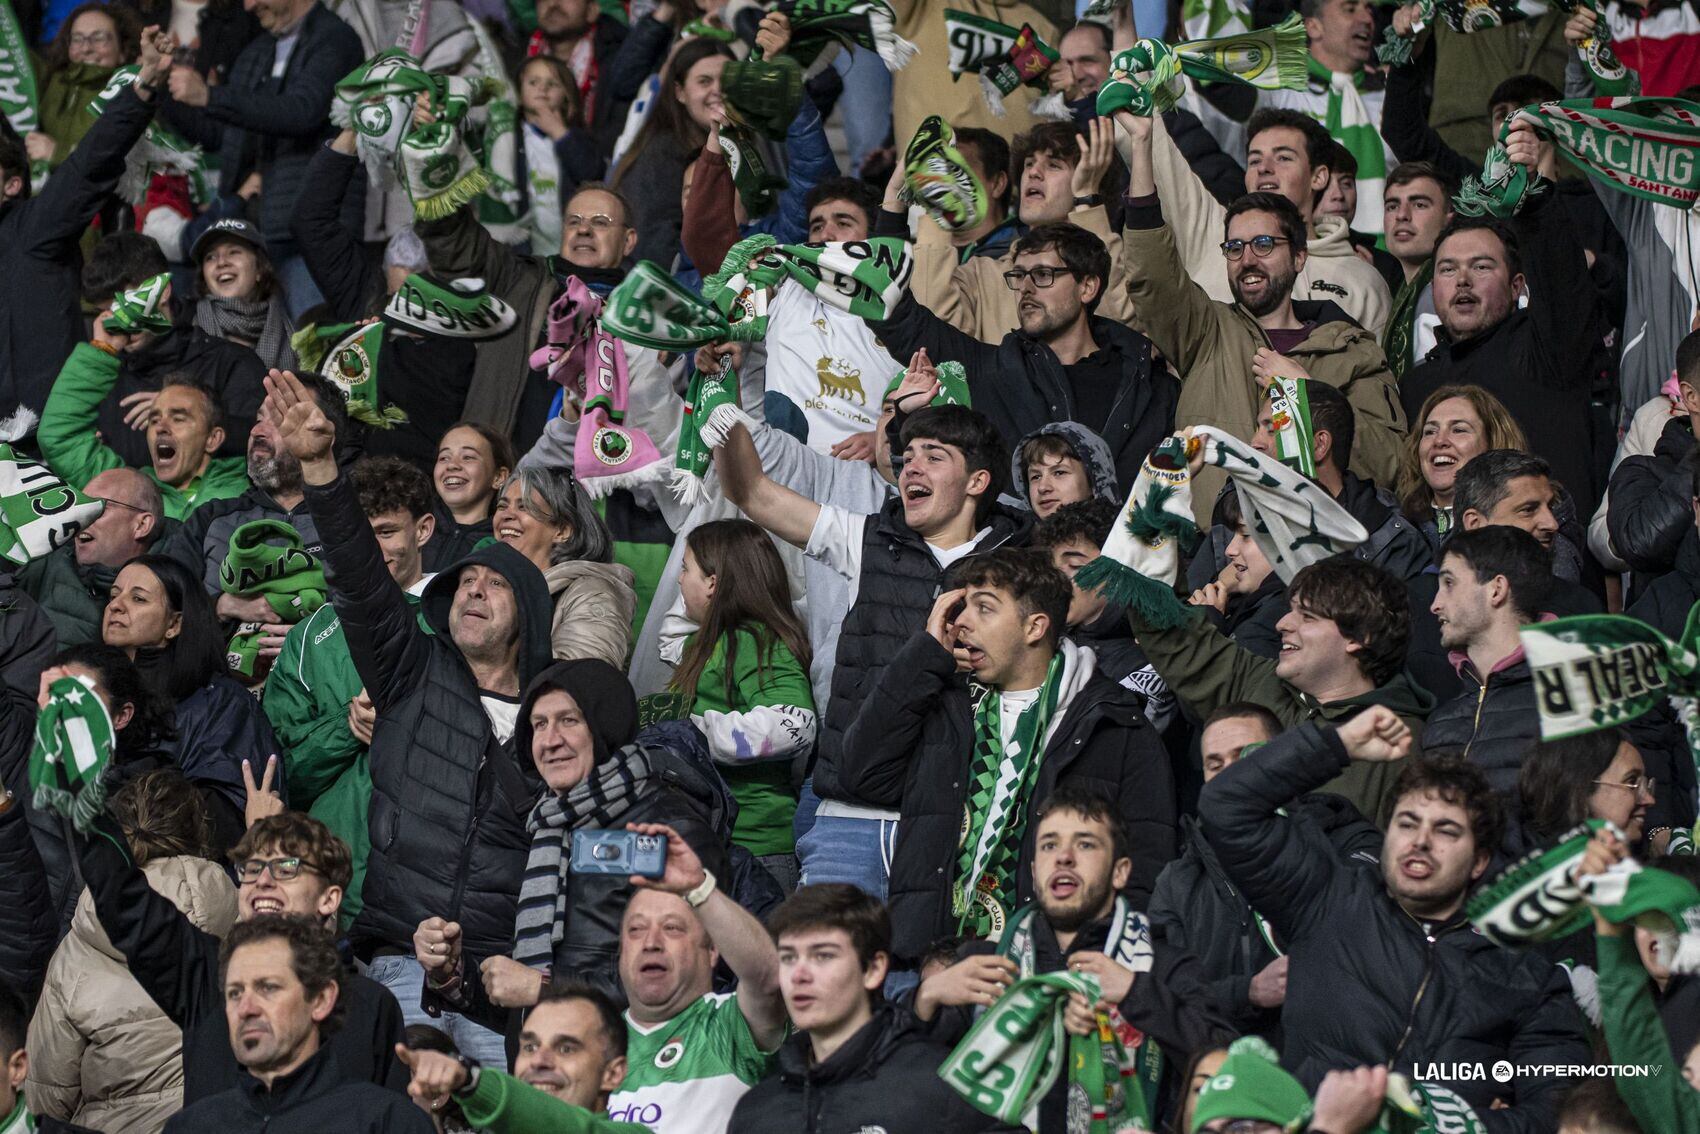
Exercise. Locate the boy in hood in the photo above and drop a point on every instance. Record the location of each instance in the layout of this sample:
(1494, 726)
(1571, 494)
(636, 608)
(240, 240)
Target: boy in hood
(1062, 463)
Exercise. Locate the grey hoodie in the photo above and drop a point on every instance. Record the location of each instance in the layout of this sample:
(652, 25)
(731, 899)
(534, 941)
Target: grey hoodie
(1088, 447)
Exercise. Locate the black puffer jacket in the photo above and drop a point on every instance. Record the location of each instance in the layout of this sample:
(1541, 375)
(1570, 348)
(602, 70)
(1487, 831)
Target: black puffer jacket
(1650, 515)
(1657, 734)
(318, 1096)
(72, 594)
(1394, 544)
(899, 581)
(233, 374)
(885, 1077)
(449, 799)
(1198, 907)
(911, 747)
(1491, 723)
(1367, 982)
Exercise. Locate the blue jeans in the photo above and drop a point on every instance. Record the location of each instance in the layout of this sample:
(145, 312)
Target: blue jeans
(405, 977)
(837, 848)
(864, 109)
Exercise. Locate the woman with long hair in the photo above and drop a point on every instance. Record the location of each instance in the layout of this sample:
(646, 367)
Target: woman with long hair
(93, 42)
(652, 172)
(1454, 424)
(162, 619)
(1597, 775)
(546, 515)
(746, 669)
(473, 461)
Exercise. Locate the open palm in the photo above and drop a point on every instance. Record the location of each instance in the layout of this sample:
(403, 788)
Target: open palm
(303, 427)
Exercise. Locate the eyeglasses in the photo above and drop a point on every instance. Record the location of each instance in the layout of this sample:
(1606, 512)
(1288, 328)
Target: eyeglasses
(93, 39)
(1262, 245)
(1041, 276)
(601, 222)
(1636, 784)
(120, 503)
(283, 869)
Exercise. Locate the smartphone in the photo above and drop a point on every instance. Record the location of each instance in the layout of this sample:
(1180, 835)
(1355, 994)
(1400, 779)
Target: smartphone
(619, 852)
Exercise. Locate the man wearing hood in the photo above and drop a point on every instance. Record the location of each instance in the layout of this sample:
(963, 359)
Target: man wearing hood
(449, 799)
(1228, 351)
(967, 763)
(1062, 463)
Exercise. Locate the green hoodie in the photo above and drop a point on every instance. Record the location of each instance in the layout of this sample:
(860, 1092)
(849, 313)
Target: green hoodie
(1207, 670)
(75, 451)
(1635, 1035)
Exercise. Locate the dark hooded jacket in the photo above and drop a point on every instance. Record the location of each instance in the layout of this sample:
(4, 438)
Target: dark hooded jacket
(1088, 447)
(31, 927)
(1651, 514)
(679, 794)
(449, 798)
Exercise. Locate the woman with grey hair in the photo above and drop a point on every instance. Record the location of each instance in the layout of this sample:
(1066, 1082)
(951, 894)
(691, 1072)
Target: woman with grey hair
(545, 514)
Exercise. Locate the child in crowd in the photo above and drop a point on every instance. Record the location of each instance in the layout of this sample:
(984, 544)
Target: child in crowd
(559, 153)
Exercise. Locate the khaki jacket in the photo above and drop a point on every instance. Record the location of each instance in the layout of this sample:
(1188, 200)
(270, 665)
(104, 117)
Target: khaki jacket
(926, 85)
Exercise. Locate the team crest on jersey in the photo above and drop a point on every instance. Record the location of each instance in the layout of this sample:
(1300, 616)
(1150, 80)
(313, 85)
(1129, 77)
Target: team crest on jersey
(670, 1055)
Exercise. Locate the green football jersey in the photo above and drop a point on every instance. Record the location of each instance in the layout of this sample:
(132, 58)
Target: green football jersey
(684, 1076)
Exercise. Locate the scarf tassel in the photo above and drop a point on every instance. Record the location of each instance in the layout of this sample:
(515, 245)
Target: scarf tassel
(1154, 602)
(893, 49)
(460, 193)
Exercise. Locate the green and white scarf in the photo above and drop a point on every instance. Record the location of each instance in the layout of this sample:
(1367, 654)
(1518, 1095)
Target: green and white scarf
(1538, 897)
(740, 290)
(375, 100)
(73, 751)
(1289, 414)
(1647, 147)
(353, 362)
(711, 410)
(20, 102)
(1207, 19)
(1147, 77)
(161, 150)
(1424, 1108)
(1348, 122)
(1006, 58)
(976, 42)
(141, 308)
(266, 559)
(939, 178)
(38, 510)
(1663, 903)
(1610, 76)
(501, 141)
(994, 818)
(1011, 1057)
(854, 23)
(1292, 518)
(650, 308)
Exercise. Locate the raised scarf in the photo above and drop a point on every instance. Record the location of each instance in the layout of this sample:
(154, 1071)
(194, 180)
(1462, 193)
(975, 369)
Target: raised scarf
(74, 740)
(939, 178)
(1206, 19)
(1012, 1056)
(38, 510)
(1665, 904)
(1424, 1108)
(1647, 147)
(1289, 415)
(853, 23)
(757, 185)
(1538, 897)
(160, 150)
(263, 322)
(591, 365)
(20, 100)
(1609, 74)
(763, 94)
(1348, 122)
(141, 308)
(1147, 77)
(1396, 343)
(994, 820)
(1292, 518)
(600, 800)
(711, 410)
(1006, 58)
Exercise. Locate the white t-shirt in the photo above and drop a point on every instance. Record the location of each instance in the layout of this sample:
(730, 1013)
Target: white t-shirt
(828, 362)
(503, 713)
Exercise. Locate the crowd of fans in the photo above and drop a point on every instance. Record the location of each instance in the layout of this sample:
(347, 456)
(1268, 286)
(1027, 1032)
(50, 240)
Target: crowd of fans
(448, 448)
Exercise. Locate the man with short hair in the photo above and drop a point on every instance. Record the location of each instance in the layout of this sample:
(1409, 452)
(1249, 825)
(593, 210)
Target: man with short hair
(314, 696)
(894, 562)
(285, 864)
(446, 701)
(856, 1057)
(1065, 362)
(1538, 359)
(1364, 948)
(72, 584)
(1492, 581)
(1196, 905)
(966, 766)
(282, 984)
(15, 1114)
(1342, 651)
(1509, 486)
(1416, 207)
(571, 1058)
(1225, 349)
(1057, 170)
(1080, 920)
(1287, 154)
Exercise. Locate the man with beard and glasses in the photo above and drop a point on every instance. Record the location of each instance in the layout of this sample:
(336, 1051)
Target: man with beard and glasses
(1385, 967)
(1079, 872)
(1229, 351)
(73, 582)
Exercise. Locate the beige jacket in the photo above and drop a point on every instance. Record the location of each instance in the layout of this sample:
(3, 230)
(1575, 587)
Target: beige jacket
(973, 298)
(594, 606)
(1332, 270)
(102, 1054)
(1211, 346)
(926, 85)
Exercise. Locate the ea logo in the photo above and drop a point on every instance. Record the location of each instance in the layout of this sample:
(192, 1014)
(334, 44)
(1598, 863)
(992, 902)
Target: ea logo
(669, 1055)
(1502, 1072)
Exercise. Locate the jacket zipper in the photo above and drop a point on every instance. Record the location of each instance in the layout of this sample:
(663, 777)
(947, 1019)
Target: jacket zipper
(1422, 987)
(1476, 725)
(466, 843)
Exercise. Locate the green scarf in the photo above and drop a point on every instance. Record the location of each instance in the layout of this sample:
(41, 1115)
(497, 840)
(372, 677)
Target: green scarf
(38, 510)
(456, 309)
(994, 820)
(1665, 904)
(1147, 77)
(375, 100)
(739, 291)
(975, 42)
(142, 308)
(1538, 897)
(266, 558)
(953, 387)
(763, 94)
(1006, 58)
(161, 150)
(853, 23)
(350, 354)
(1012, 1056)
(1402, 322)
(436, 164)
(757, 185)
(1295, 433)
(73, 751)
(20, 101)
(1647, 147)
(1610, 76)
(1424, 1108)
(1348, 122)
(936, 175)
(1206, 19)
(650, 308)
(1293, 520)
(711, 409)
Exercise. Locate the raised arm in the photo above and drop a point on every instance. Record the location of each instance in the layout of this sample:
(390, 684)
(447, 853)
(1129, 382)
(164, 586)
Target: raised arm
(782, 512)
(1405, 128)
(335, 257)
(67, 433)
(710, 229)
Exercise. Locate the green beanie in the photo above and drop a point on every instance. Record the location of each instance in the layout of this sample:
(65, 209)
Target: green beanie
(953, 387)
(1251, 1084)
(266, 558)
